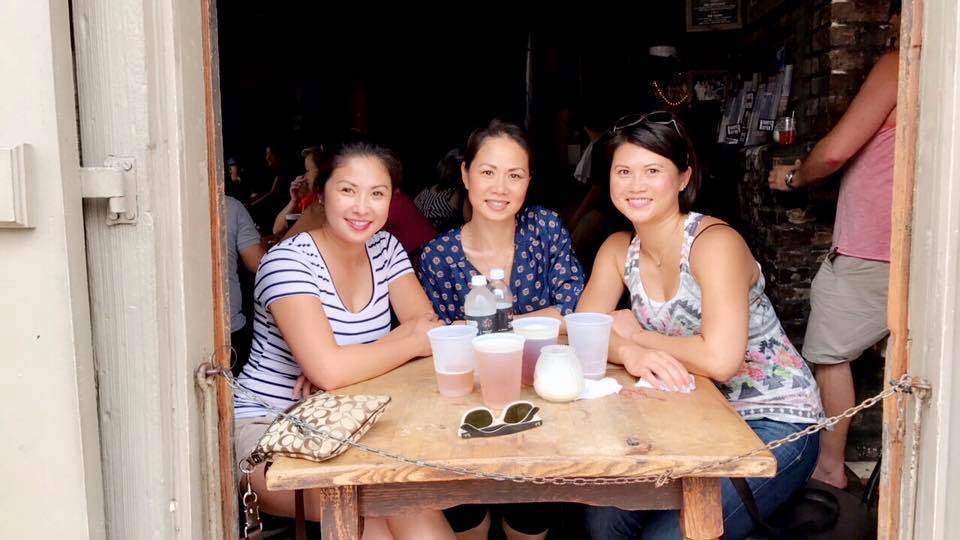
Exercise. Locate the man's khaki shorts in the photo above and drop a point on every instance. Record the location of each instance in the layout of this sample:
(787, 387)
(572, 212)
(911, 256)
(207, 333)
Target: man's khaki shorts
(848, 309)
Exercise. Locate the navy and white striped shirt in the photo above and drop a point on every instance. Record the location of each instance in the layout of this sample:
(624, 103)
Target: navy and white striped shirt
(296, 267)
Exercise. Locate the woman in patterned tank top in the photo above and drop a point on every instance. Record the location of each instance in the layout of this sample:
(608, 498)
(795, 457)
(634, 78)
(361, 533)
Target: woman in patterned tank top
(697, 306)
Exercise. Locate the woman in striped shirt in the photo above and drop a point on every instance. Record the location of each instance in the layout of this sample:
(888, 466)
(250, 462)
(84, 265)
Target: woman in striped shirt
(322, 317)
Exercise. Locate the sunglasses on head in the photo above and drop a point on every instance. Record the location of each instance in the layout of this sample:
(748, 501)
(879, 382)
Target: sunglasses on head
(516, 417)
(664, 118)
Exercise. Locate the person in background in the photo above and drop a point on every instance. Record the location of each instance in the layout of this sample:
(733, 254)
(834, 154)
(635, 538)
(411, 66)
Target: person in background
(243, 245)
(848, 297)
(264, 203)
(407, 223)
(303, 192)
(594, 218)
(234, 186)
(444, 203)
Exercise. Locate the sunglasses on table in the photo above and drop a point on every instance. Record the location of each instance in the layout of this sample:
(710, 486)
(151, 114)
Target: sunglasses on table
(516, 417)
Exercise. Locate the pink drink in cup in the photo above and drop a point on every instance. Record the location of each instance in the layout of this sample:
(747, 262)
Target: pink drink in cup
(540, 332)
(499, 360)
(453, 360)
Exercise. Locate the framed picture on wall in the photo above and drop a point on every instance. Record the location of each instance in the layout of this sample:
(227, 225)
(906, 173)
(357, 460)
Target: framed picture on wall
(709, 85)
(709, 15)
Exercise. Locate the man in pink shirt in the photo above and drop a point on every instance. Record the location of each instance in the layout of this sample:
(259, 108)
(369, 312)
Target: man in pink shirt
(848, 299)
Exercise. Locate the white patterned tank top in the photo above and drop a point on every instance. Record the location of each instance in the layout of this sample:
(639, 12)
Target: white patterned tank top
(774, 382)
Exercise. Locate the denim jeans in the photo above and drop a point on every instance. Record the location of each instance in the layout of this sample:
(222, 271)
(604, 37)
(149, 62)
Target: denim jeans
(795, 463)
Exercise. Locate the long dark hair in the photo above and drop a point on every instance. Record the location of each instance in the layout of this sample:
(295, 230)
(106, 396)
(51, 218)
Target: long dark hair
(496, 128)
(663, 134)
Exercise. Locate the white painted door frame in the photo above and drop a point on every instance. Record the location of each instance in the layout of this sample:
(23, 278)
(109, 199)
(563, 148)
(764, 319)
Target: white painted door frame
(141, 93)
(934, 302)
(48, 404)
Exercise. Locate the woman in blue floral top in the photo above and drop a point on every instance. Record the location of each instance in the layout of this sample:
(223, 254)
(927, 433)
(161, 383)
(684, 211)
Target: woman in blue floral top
(529, 243)
(533, 248)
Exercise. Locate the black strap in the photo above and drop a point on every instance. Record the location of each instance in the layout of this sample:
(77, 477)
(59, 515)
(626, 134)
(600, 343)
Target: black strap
(707, 228)
(870, 491)
(827, 502)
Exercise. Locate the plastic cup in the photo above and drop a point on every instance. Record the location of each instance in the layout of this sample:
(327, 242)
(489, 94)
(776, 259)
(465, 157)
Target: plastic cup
(589, 335)
(453, 358)
(540, 332)
(500, 360)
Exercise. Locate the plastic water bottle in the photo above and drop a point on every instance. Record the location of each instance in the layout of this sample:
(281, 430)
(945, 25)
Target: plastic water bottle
(480, 306)
(500, 290)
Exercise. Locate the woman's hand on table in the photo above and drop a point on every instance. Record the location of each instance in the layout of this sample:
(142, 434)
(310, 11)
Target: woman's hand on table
(415, 324)
(418, 328)
(304, 388)
(660, 369)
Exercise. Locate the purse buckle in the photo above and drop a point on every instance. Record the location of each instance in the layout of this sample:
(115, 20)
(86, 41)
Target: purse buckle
(253, 527)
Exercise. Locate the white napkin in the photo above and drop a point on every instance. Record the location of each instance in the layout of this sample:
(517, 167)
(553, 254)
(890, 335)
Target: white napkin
(643, 383)
(593, 389)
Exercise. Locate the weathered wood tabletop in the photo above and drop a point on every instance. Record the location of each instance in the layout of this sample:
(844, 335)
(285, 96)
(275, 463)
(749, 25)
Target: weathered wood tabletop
(634, 433)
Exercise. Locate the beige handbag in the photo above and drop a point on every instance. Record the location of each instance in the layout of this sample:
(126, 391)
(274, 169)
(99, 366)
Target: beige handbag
(344, 418)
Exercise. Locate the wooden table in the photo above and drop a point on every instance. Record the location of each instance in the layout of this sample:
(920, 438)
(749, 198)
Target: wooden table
(634, 433)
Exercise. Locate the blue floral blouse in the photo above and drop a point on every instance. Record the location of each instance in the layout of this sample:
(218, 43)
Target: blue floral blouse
(546, 273)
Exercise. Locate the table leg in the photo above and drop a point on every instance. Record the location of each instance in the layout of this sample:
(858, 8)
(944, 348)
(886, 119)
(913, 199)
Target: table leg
(701, 515)
(339, 514)
(300, 521)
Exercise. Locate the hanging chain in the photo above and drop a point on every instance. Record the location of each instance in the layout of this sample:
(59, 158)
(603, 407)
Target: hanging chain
(904, 385)
(666, 100)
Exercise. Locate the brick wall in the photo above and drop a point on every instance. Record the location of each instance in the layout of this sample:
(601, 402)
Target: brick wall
(847, 38)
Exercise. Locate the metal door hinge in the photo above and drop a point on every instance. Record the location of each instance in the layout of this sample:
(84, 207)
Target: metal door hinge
(116, 181)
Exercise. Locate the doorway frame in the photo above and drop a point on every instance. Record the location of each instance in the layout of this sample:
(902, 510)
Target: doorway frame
(898, 299)
(221, 309)
(898, 360)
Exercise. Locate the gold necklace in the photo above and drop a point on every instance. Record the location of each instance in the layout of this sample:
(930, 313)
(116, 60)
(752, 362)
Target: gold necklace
(662, 97)
(659, 263)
